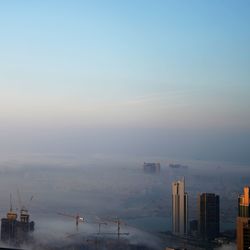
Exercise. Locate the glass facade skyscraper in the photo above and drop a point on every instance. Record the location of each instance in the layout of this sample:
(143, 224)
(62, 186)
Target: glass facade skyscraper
(209, 215)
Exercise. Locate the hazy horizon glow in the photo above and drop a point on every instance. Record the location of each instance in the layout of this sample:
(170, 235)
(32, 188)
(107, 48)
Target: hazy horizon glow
(157, 65)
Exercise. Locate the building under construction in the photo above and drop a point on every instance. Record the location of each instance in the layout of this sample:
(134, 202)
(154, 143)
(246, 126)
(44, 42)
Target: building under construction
(14, 231)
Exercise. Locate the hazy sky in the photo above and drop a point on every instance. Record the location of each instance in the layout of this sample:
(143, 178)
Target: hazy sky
(158, 65)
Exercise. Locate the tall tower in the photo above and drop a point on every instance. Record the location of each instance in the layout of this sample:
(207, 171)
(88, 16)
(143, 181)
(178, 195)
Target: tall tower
(243, 220)
(209, 215)
(179, 208)
(244, 203)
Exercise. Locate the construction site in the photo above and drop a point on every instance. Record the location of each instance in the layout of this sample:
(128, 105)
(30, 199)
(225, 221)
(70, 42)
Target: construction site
(17, 234)
(16, 231)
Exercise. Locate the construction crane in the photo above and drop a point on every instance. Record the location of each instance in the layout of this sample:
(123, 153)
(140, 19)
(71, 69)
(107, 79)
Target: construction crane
(11, 215)
(76, 217)
(81, 219)
(119, 222)
(24, 214)
(100, 223)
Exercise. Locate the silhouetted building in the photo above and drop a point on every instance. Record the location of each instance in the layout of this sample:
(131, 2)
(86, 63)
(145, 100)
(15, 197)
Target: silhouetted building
(243, 220)
(179, 208)
(209, 215)
(14, 231)
(151, 167)
(178, 166)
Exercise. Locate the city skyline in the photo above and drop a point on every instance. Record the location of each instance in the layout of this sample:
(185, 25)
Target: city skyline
(131, 117)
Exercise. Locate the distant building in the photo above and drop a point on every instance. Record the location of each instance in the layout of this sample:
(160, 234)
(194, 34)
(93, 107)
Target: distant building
(151, 167)
(179, 208)
(177, 166)
(243, 220)
(209, 215)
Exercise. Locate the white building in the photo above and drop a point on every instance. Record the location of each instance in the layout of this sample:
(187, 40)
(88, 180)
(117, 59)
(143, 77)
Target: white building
(179, 208)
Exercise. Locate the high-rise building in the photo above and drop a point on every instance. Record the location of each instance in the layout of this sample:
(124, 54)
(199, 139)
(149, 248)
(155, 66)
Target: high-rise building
(243, 233)
(243, 220)
(209, 215)
(244, 203)
(179, 208)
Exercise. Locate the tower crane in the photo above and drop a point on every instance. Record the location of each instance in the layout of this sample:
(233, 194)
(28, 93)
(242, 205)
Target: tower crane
(100, 223)
(24, 214)
(76, 217)
(119, 222)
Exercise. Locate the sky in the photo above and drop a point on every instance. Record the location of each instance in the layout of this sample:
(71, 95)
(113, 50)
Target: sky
(126, 73)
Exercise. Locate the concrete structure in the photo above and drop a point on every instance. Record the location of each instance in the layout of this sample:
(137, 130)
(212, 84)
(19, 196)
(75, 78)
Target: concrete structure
(209, 215)
(243, 220)
(179, 208)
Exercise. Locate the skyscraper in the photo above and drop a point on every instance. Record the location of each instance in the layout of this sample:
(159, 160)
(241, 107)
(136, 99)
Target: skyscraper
(244, 203)
(243, 233)
(243, 220)
(209, 215)
(179, 208)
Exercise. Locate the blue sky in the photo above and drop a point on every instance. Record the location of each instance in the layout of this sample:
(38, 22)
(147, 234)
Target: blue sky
(125, 64)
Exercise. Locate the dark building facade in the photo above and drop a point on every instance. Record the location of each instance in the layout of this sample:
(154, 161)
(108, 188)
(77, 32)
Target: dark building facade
(243, 220)
(209, 216)
(14, 231)
(193, 227)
